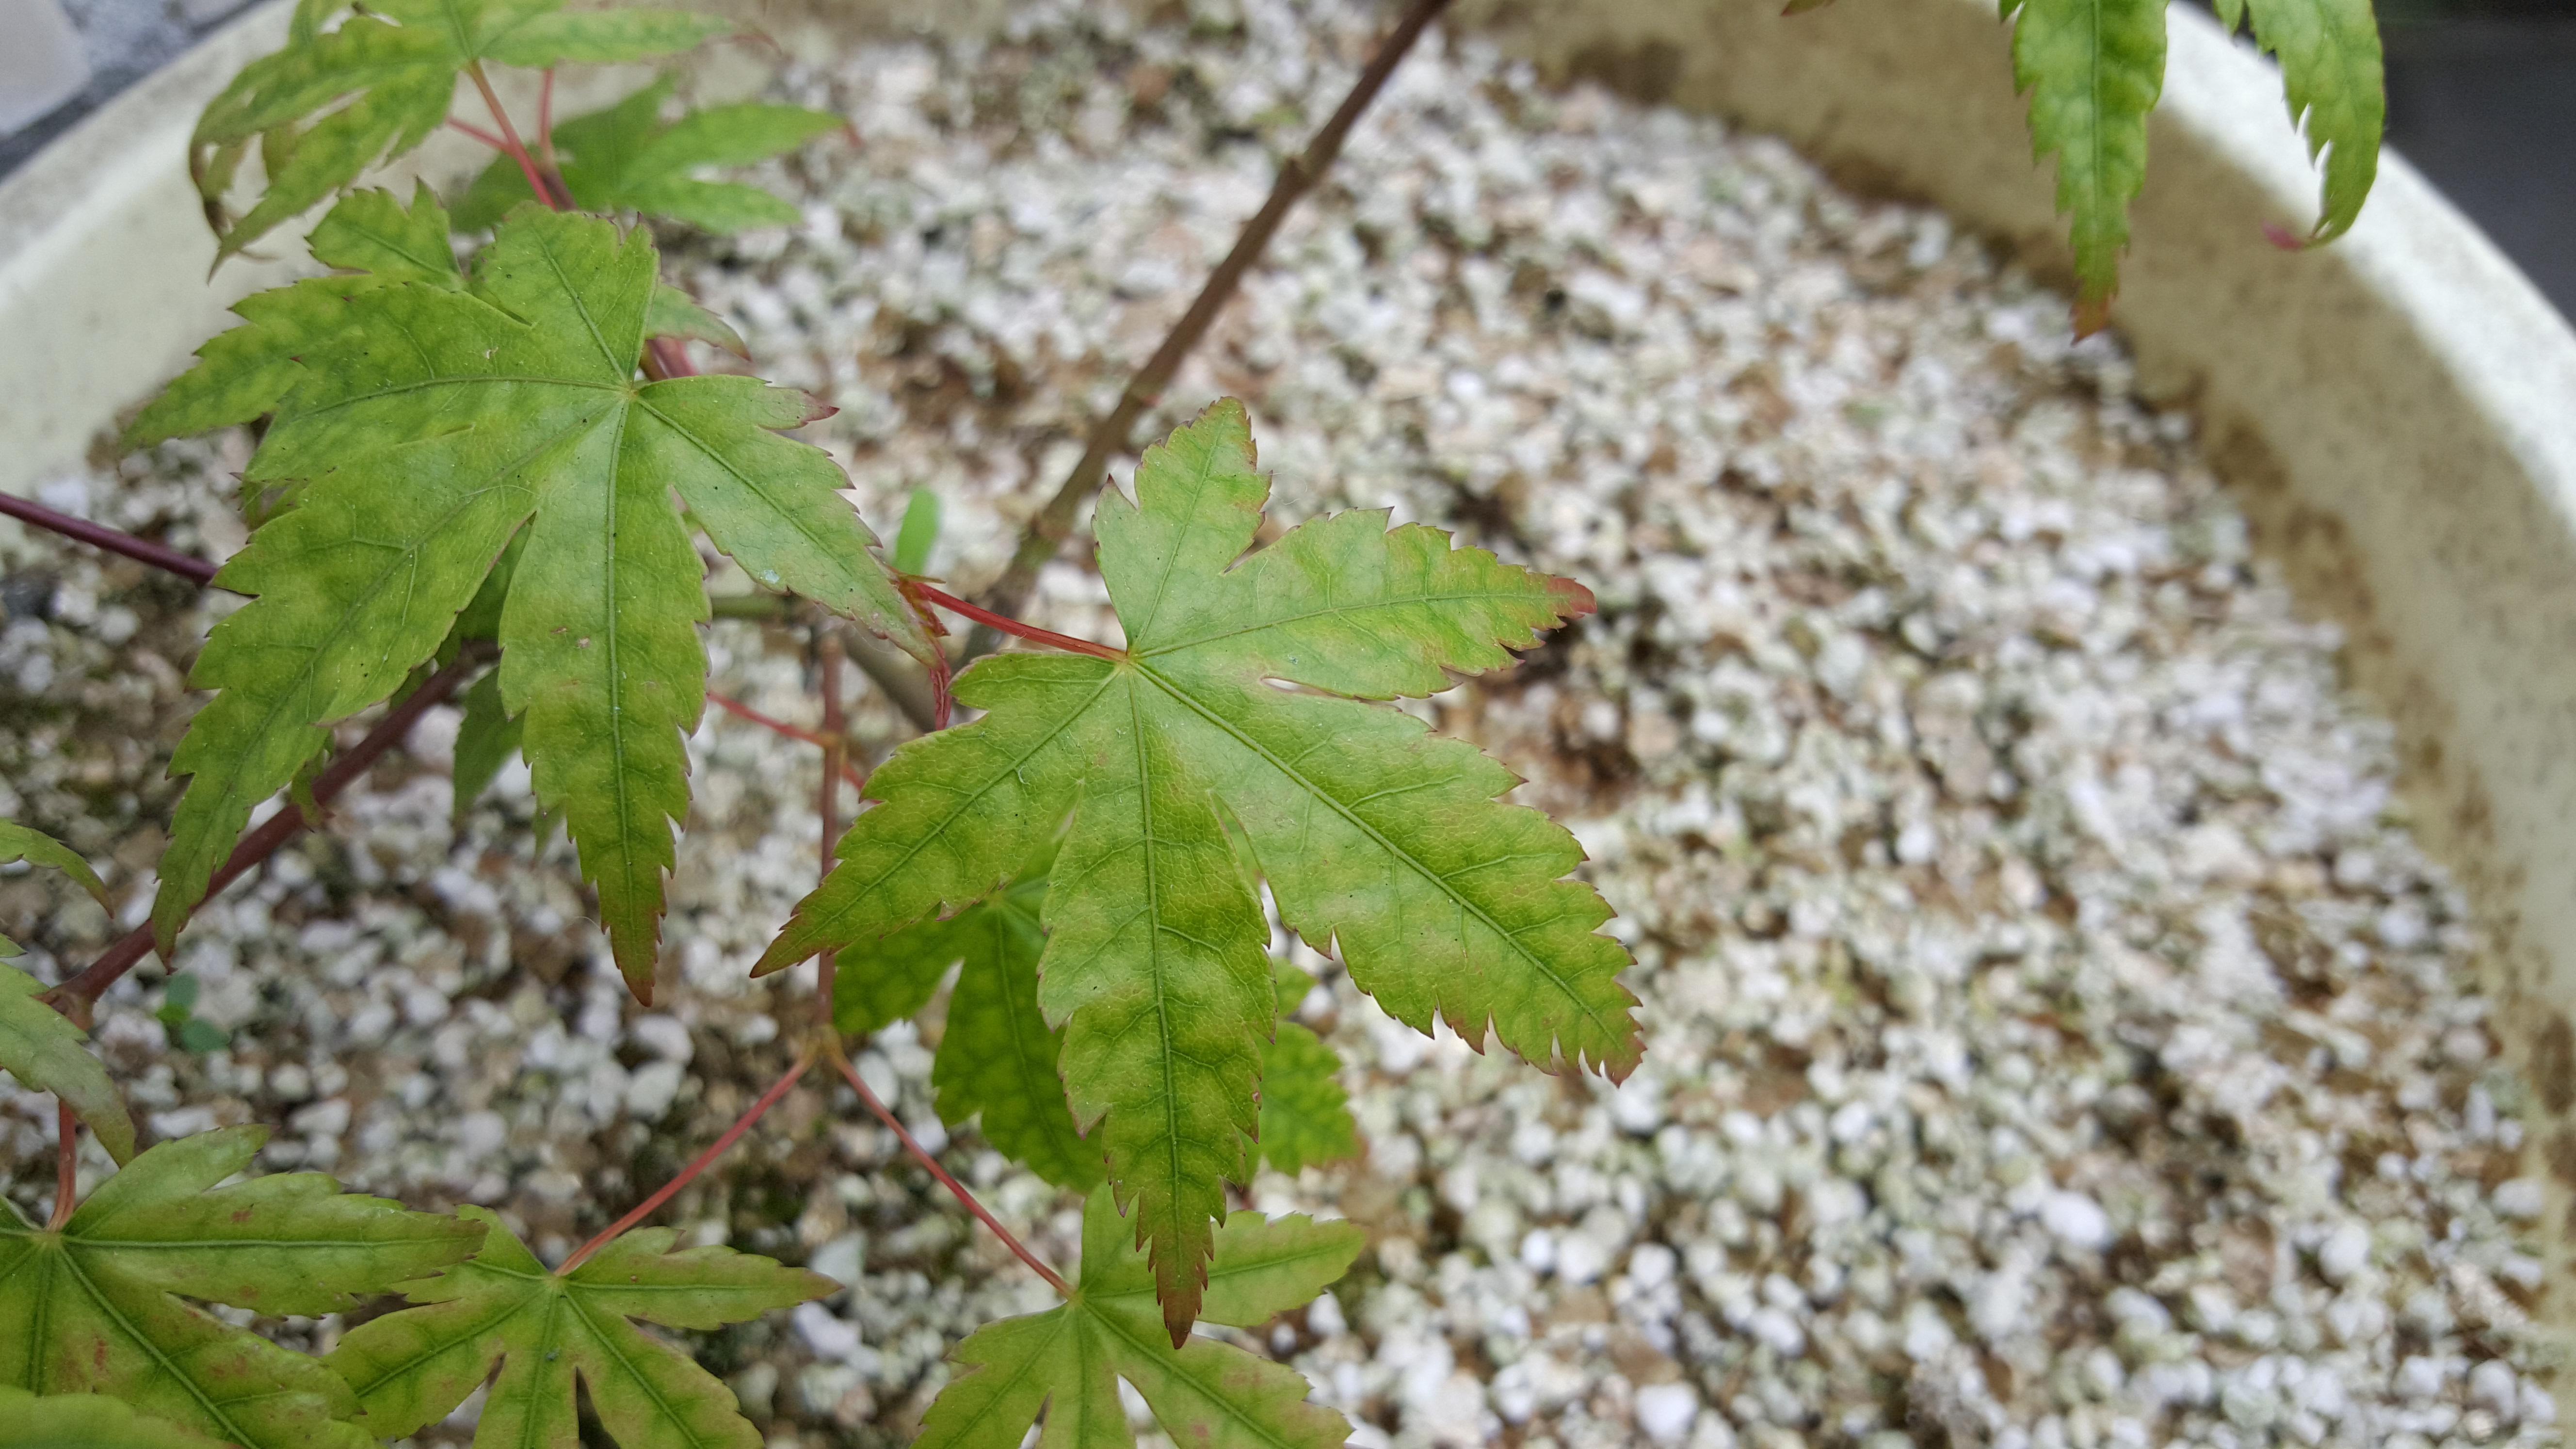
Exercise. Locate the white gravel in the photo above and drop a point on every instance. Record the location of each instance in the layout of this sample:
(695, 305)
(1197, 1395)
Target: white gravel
(2055, 1037)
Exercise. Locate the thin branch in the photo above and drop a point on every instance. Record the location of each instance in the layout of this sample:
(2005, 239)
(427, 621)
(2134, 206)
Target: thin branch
(263, 842)
(828, 806)
(868, 1099)
(546, 121)
(1018, 630)
(478, 133)
(892, 673)
(66, 1165)
(1047, 532)
(825, 740)
(113, 540)
(698, 1164)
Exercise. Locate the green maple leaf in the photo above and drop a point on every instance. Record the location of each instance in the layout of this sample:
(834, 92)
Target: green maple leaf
(85, 1421)
(544, 1329)
(2330, 68)
(333, 103)
(417, 443)
(675, 313)
(370, 237)
(98, 1307)
(2092, 70)
(627, 158)
(40, 1046)
(1375, 837)
(485, 740)
(1305, 1114)
(999, 1057)
(1065, 1363)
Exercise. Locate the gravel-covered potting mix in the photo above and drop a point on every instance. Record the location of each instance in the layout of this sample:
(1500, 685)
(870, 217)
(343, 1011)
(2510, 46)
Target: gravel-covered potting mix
(2054, 1035)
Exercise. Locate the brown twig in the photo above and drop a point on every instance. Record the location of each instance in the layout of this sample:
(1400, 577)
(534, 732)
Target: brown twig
(906, 687)
(113, 540)
(67, 1165)
(262, 842)
(696, 1165)
(930, 1164)
(1047, 532)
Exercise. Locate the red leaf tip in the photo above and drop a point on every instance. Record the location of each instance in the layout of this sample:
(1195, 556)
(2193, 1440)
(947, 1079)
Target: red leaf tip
(1574, 601)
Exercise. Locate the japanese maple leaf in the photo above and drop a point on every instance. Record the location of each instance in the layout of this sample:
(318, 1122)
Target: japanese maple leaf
(627, 158)
(998, 1056)
(1065, 1363)
(544, 1329)
(99, 1307)
(1376, 838)
(85, 1421)
(40, 1046)
(415, 442)
(333, 103)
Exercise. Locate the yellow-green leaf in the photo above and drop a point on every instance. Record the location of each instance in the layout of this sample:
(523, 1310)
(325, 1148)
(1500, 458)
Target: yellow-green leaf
(2092, 70)
(1065, 1363)
(103, 1306)
(335, 102)
(419, 441)
(2331, 72)
(546, 1330)
(1374, 837)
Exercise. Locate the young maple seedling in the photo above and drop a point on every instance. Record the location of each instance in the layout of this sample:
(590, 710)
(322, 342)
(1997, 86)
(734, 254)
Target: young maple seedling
(467, 461)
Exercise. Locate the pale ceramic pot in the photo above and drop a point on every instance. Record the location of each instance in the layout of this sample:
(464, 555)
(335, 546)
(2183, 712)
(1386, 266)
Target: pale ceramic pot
(2397, 412)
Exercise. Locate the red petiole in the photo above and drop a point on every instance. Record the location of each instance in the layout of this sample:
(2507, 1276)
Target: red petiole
(827, 740)
(930, 1164)
(510, 143)
(697, 1164)
(478, 133)
(1014, 627)
(67, 1166)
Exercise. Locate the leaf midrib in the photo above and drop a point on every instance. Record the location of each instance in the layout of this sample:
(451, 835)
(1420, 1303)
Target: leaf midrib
(1181, 1368)
(1219, 1272)
(1465, 906)
(1409, 601)
(1012, 771)
(214, 1413)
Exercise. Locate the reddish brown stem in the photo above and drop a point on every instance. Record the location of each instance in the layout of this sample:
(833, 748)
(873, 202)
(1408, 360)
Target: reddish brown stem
(1047, 532)
(835, 760)
(479, 134)
(546, 119)
(67, 1165)
(258, 845)
(931, 1165)
(666, 358)
(510, 142)
(1018, 630)
(696, 1165)
(113, 540)
(825, 740)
